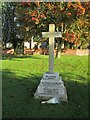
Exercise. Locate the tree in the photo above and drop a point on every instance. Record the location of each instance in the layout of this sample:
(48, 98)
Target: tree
(8, 23)
(78, 32)
(34, 17)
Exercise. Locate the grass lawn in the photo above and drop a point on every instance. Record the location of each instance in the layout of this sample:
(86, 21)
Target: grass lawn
(21, 77)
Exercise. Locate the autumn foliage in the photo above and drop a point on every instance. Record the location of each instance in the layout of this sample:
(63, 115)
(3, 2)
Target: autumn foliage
(57, 13)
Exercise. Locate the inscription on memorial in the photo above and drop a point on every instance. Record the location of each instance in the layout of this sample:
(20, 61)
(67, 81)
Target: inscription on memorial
(54, 76)
(51, 83)
(49, 91)
(50, 88)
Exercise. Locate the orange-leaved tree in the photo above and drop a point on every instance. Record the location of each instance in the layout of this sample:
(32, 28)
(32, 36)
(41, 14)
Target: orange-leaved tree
(35, 17)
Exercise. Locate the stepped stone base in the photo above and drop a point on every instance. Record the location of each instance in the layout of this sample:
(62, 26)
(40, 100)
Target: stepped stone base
(51, 85)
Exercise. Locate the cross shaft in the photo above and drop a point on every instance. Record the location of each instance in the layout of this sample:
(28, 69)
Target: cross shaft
(51, 35)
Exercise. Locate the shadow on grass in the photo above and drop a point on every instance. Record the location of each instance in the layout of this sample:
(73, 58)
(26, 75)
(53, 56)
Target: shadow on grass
(9, 79)
(10, 57)
(76, 85)
(19, 102)
(26, 56)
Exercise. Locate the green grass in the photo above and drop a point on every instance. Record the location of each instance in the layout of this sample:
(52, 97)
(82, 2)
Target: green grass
(22, 75)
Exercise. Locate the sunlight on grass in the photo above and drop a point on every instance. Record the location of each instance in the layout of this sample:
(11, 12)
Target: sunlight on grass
(21, 77)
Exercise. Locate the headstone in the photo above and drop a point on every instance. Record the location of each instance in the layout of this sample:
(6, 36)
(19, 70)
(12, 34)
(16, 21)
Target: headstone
(51, 84)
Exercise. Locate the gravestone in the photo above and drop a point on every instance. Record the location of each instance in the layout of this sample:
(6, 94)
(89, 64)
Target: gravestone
(51, 84)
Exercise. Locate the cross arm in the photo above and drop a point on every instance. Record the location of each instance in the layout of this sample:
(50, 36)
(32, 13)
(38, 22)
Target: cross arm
(51, 34)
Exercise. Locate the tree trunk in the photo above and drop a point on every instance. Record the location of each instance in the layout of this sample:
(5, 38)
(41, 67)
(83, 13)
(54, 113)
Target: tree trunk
(59, 47)
(23, 47)
(15, 47)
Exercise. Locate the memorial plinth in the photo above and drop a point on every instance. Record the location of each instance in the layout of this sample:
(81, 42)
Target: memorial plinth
(51, 85)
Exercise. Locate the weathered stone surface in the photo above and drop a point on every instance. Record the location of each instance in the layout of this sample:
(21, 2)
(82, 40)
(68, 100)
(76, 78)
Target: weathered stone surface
(51, 76)
(51, 84)
(51, 35)
(49, 88)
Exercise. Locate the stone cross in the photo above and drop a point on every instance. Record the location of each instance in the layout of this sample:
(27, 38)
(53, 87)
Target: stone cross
(51, 35)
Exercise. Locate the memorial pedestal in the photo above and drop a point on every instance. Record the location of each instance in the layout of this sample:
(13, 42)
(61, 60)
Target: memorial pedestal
(51, 85)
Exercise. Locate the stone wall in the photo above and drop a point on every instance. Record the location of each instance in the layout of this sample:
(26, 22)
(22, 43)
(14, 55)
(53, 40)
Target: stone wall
(82, 52)
(46, 52)
(76, 52)
(69, 52)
